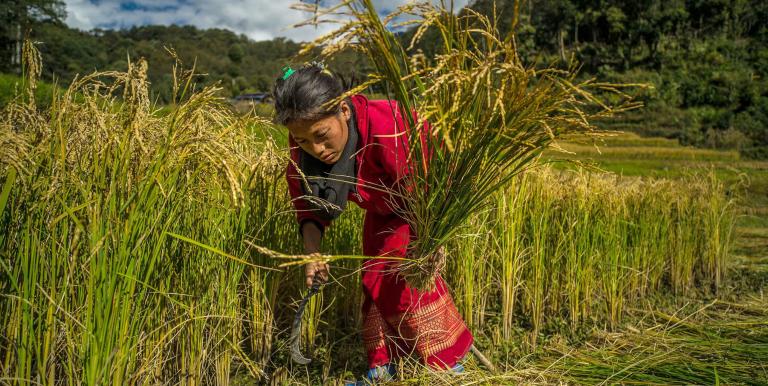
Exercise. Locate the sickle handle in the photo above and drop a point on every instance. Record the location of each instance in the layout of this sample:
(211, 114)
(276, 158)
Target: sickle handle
(296, 329)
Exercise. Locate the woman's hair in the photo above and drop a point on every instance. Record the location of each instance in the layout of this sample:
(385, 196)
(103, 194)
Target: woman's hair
(305, 94)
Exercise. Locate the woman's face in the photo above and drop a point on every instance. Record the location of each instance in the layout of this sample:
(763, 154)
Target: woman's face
(324, 138)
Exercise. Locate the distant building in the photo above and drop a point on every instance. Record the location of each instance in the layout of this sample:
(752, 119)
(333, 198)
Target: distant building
(245, 102)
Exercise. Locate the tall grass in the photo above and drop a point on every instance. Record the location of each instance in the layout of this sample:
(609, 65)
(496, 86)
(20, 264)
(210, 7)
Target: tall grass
(125, 244)
(580, 247)
(97, 292)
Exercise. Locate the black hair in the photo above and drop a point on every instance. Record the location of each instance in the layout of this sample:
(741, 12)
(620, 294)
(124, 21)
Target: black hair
(305, 94)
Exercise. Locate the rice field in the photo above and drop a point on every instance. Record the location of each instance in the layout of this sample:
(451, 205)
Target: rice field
(126, 243)
(629, 154)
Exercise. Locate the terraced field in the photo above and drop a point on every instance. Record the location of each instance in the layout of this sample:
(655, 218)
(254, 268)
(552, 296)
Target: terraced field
(629, 154)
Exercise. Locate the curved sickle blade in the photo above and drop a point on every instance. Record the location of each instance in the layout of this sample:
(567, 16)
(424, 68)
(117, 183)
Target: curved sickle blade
(296, 330)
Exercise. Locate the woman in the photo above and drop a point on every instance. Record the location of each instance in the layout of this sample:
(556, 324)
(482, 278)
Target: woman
(347, 151)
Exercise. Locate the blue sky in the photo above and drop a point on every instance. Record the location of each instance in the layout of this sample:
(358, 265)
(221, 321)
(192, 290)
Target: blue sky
(257, 19)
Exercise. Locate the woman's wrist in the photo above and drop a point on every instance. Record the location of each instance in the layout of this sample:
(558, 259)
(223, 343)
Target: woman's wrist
(312, 237)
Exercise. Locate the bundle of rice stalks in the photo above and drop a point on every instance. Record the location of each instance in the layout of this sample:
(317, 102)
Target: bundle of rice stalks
(490, 115)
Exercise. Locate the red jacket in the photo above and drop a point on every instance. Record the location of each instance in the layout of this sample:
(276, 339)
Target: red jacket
(381, 158)
(424, 321)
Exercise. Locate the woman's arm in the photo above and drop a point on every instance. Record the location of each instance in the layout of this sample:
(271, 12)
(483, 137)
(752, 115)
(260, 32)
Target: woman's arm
(312, 238)
(311, 227)
(295, 180)
(394, 147)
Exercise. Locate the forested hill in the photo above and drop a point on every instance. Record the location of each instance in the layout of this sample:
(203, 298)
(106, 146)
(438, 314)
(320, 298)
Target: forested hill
(240, 64)
(708, 59)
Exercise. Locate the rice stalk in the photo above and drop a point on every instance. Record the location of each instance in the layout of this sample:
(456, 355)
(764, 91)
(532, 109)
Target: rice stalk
(489, 115)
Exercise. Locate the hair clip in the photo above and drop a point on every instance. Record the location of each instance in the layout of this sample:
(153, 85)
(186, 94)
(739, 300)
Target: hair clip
(288, 71)
(321, 65)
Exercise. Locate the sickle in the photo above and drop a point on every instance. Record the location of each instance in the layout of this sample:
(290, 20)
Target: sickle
(296, 330)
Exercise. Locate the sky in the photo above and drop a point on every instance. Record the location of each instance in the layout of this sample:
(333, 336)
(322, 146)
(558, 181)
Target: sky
(257, 19)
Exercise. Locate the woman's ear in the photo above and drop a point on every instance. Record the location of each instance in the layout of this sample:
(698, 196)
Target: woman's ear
(346, 111)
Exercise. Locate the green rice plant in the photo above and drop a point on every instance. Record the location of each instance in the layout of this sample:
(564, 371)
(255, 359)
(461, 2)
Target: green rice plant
(312, 320)
(471, 272)
(92, 188)
(490, 116)
(589, 244)
(267, 227)
(579, 271)
(613, 271)
(539, 231)
(683, 256)
(653, 227)
(345, 237)
(718, 227)
(511, 257)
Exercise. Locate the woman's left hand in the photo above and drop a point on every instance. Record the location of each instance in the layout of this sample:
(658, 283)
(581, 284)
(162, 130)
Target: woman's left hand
(438, 258)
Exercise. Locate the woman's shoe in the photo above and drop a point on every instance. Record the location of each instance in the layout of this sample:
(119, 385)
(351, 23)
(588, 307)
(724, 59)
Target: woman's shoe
(458, 368)
(386, 373)
(376, 375)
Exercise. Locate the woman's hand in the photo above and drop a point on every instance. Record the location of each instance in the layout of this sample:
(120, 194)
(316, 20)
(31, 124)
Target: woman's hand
(318, 267)
(312, 237)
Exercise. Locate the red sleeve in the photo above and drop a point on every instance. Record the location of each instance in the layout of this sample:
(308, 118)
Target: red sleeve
(394, 150)
(302, 209)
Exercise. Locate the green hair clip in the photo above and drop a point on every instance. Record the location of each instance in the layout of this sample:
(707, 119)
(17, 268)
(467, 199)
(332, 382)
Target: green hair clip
(288, 71)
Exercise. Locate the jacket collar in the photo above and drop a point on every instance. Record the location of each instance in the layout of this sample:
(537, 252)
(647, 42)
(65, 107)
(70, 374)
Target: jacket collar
(360, 103)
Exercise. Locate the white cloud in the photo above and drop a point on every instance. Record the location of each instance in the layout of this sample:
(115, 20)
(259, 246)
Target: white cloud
(257, 19)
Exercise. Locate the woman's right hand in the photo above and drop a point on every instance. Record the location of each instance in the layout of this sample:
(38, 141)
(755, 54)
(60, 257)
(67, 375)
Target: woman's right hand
(320, 268)
(312, 236)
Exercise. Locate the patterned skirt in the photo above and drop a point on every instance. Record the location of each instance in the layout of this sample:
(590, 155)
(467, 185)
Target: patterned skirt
(399, 320)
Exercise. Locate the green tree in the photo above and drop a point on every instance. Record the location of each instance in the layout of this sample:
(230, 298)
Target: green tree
(236, 53)
(17, 18)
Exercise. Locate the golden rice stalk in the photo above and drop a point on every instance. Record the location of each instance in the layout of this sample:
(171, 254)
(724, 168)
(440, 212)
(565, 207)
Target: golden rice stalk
(490, 116)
